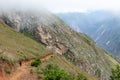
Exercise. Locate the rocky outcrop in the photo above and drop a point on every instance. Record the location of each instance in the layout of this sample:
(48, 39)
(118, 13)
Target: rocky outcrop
(12, 20)
(43, 37)
(46, 38)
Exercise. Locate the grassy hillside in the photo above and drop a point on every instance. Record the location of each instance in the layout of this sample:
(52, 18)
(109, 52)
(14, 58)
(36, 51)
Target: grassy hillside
(51, 31)
(11, 42)
(63, 63)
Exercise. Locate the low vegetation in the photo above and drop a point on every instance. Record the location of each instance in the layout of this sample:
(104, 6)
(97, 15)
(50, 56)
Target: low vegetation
(36, 63)
(115, 73)
(7, 71)
(21, 55)
(53, 72)
(81, 77)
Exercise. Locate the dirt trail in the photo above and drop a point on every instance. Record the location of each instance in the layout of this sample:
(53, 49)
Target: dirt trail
(20, 70)
(25, 68)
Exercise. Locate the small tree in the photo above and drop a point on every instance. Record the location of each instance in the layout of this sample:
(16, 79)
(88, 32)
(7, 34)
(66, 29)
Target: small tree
(115, 73)
(55, 73)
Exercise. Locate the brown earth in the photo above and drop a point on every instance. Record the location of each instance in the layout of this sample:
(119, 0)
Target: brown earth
(23, 72)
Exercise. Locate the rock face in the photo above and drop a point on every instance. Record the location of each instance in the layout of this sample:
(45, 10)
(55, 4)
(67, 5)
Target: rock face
(57, 36)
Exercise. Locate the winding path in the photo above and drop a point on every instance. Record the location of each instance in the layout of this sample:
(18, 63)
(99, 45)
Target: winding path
(21, 70)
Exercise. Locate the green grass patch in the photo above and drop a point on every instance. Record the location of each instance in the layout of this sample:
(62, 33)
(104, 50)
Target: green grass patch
(36, 63)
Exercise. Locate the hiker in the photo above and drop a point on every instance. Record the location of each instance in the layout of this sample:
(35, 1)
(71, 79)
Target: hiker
(20, 62)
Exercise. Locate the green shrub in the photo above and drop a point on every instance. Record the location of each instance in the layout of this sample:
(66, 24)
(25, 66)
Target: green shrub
(39, 70)
(51, 66)
(21, 55)
(55, 73)
(7, 71)
(81, 77)
(36, 63)
(115, 73)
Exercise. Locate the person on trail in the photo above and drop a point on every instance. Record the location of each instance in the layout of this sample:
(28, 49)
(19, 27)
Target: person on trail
(20, 62)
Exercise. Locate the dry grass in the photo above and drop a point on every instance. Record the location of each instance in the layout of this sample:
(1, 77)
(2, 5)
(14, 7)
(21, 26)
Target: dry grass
(11, 42)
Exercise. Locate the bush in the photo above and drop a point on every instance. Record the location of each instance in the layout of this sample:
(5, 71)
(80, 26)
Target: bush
(36, 63)
(115, 73)
(81, 77)
(21, 55)
(7, 71)
(55, 73)
(39, 70)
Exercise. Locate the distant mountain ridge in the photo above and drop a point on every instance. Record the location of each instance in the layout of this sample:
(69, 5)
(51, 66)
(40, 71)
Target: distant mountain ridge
(55, 35)
(102, 26)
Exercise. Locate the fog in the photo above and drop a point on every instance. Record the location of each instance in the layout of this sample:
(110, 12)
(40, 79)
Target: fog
(61, 5)
(19, 5)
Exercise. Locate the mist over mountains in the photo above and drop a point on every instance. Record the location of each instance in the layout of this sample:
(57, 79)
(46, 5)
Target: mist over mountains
(102, 26)
(55, 35)
(36, 43)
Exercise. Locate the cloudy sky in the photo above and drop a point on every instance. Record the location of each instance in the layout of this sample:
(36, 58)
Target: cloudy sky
(64, 5)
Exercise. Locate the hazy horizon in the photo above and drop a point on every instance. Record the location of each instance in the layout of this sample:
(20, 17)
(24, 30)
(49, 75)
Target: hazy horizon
(57, 6)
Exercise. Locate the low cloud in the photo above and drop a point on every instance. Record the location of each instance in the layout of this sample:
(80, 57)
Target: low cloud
(61, 5)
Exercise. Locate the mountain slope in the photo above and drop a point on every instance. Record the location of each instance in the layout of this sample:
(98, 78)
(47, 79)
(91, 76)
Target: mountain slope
(108, 32)
(102, 26)
(57, 36)
(85, 22)
(12, 41)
